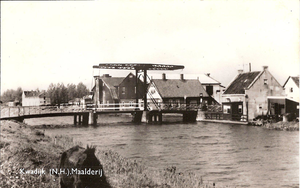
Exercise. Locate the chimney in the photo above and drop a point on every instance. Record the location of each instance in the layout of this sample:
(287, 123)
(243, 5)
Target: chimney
(265, 68)
(96, 77)
(106, 76)
(249, 67)
(208, 74)
(181, 77)
(240, 71)
(164, 76)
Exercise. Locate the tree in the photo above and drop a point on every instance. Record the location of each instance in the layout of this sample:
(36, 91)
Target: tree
(11, 95)
(82, 90)
(51, 93)
(59, 93)
(72, 93)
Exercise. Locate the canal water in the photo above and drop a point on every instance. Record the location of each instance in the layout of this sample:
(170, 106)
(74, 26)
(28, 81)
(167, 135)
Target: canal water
(235, 155)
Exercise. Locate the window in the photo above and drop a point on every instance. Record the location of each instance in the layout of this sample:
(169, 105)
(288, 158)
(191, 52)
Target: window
(226, 109)
(265, 81)
(291, 90)
(123, 90)
(240, 108)
(210, 90)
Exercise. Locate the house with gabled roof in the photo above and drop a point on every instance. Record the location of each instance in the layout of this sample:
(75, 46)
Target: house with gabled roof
(35, 98)
(211, 85)
(175, 93)
(246, 96)
(287, 105)
(114, 90)
(291, 87)
(106, 88)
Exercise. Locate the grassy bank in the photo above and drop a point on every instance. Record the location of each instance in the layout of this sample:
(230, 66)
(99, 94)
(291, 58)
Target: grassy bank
(284, 126)
(25, 147)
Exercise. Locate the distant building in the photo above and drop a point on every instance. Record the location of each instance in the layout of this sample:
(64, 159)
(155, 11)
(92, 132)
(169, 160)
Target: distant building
(34, 98)
(246, 96)
(177, 92)
(86, 101)
(291, 87)
(13, 103)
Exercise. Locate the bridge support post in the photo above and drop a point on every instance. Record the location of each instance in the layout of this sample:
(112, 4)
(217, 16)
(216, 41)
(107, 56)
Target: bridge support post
(154, 116)
(95, 118)
(79, 120)
(190, 116)
(92, 118)
(75, 119)
(85, 120)
(137, 116)
(160, 117)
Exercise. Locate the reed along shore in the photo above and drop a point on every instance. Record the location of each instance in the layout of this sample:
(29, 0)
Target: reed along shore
(26, 149)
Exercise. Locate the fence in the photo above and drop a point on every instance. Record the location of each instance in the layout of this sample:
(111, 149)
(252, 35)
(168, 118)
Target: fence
(31, 110)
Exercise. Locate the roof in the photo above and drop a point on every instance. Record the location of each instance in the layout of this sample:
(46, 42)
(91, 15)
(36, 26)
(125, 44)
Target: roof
(282, 98)
(203, 78)
(179, 88)
(112, 83)
(241, 82)
(294, 78)
(33, 94)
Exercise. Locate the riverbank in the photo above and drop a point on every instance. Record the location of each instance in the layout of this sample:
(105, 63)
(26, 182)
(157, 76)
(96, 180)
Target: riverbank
(283, 126)
(25, 147)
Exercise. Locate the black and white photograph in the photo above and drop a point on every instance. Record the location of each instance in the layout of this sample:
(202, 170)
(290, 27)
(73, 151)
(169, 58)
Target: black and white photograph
(150, 94)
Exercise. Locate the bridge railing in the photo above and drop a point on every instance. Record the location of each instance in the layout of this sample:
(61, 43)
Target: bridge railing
(175, 106)
(140, 106)
(31, 110)
(116, 106)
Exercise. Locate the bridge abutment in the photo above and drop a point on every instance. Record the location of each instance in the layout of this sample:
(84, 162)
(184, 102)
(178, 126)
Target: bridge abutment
(138, 116)
(154, 116)
(189, 116)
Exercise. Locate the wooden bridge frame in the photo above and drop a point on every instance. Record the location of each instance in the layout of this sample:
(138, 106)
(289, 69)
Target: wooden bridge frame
(89, 116)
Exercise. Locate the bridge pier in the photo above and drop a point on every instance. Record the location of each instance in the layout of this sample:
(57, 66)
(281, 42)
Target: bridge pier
(154, 116)
(79, 119)
(137, 116)
(92, 118)
(189, 116)
(75, 119)
(85, 119)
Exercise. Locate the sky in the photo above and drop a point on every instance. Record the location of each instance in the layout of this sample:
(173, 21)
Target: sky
(46, 42)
